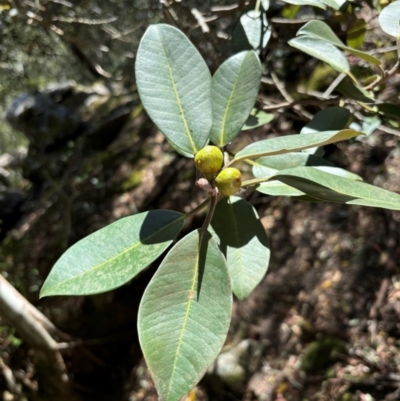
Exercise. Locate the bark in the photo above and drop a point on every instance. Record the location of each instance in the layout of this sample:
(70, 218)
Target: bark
(35, 329)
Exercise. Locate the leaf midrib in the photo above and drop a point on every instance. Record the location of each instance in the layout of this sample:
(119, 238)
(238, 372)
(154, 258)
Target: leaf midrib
(178, 99)
(185, 319)
(337, 190)
(339, 136)
(115, 256)
(227, 108)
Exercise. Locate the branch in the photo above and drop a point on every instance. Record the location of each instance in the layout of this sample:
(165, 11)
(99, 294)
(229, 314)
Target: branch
(34, 328)
(388, 74)
(306, 102)
(200, 20)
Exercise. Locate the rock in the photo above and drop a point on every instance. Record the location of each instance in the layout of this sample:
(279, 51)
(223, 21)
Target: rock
(104, 130)
(66, 118)
(41, 119)
(234, 366)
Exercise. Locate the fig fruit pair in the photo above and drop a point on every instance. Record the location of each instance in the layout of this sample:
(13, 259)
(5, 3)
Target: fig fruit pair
(209, 161)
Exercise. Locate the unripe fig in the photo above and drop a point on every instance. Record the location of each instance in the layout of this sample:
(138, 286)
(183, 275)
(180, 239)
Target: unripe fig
(229, 181)
(209, 160)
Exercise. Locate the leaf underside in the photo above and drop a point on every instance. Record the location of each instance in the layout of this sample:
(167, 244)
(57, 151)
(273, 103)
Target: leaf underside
(243, 240)
(328, 187)
(174, 85)
(389, 19)
(234, 92)
(271, 165)
(184, 315)
(293, 143)
(113, 255)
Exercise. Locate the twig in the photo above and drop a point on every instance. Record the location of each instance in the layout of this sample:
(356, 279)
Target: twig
(115, 34)
(382, 50)
(388, 74)
(9, 378)
(308, 102)
(207, 221)
(281, 88)
(227, 9)
(169, 13)
(63, 2)
(33, 327)
(389, 130)
(393, 396)
(35, 6)
(57, 30)
(373, 312)
(380, 299)
(85, 21)
(200, 20)
(285, 21)
(333, 85)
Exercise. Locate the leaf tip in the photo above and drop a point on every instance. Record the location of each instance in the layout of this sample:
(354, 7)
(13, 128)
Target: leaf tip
(43, 293)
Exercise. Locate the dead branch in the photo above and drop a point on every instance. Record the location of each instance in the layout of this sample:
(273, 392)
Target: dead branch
(34, 328)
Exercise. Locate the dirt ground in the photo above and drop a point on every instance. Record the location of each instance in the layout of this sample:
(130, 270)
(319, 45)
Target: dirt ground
(324, 323)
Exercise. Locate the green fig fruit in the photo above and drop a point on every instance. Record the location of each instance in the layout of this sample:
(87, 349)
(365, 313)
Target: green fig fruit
(229, 181)
(209, 160)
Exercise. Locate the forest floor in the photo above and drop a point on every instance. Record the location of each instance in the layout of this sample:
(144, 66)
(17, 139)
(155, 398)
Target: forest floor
(324, 323)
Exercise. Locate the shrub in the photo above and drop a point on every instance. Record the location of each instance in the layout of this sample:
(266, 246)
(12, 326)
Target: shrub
(185, 311)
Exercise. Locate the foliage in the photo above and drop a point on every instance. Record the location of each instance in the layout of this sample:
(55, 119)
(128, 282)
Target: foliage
(185, 311)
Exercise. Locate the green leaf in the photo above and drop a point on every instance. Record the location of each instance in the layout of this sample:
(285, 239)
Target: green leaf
(234, 92)
(319, 30)
(328, 187)
(368, 125)
(339, 172)
(243, 240)
(174, 85)
(290, 11)
(114, 254)
(356, 33)
(347, 88)
(331, 118)
(252, 32)
(269, 165)
(336, 4)
(389, 19)
(292, 143)
(323, 51)
(314, 3)
(389, 110)
(180, 151)
(256, 119)
(277, 188)
(184, 315)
